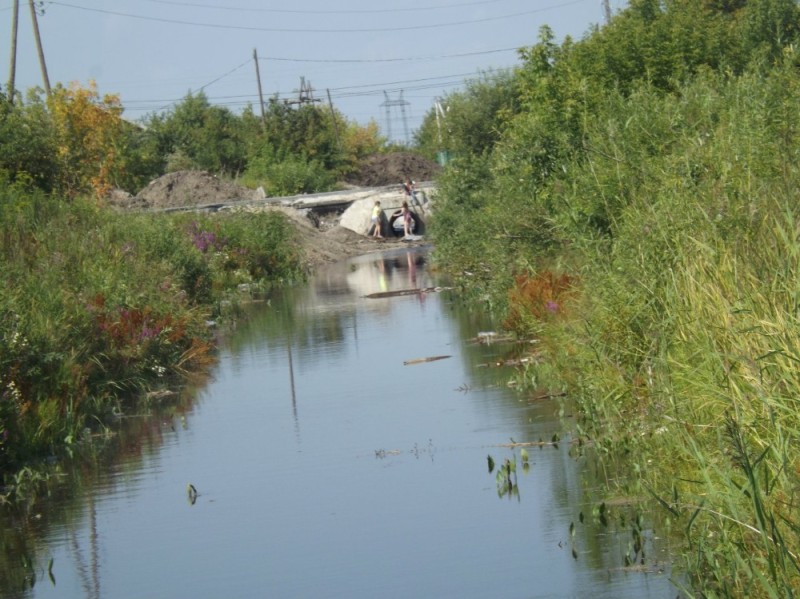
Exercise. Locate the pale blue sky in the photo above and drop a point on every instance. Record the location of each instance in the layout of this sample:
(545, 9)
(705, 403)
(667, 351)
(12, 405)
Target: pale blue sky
(362, 52)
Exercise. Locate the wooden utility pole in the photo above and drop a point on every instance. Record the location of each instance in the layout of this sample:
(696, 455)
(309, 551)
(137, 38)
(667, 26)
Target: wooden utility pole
(39, 47)
(12, 72)
(333, 116)
(260, 94)
(607, 10)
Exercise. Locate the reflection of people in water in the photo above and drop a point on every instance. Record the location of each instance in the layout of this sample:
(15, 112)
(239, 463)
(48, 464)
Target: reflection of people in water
(382, 284)
(411, 259)
(412, 269)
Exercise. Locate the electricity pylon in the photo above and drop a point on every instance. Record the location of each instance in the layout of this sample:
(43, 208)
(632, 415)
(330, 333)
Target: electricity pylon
(388, 104)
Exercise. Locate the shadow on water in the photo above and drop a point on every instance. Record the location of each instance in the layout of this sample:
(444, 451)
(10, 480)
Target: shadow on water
(332, 455)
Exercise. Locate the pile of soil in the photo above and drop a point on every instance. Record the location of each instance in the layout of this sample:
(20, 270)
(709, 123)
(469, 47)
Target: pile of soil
(394, 168)
(190, 188)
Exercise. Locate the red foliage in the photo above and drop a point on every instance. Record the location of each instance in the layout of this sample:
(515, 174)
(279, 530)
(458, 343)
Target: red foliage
(541, 297)
(125, 327)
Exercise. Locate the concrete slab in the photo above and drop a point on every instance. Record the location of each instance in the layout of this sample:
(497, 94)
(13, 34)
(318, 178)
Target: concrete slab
(357, 217)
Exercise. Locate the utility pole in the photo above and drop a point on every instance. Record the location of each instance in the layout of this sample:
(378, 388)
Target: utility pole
(13, 70)
(260, 94)
(402, 104)
(607, 10)
(39, 48)
(442, 156)
(333, 116)
(438, 110)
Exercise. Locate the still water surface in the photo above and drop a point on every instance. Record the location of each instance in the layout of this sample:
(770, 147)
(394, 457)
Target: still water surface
(326, 467)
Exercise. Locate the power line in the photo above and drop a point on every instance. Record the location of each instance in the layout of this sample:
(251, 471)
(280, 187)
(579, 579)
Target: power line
(378, 88)
(403, 81)
(324, 12)
(369, 60)
(324, 30)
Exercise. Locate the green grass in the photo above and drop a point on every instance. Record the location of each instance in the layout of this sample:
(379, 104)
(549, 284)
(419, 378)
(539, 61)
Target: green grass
(97, 307)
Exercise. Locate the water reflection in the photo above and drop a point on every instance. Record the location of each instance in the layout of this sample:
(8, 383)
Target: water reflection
(329, 462)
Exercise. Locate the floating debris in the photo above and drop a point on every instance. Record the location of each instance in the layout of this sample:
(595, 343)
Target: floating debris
(508, 362)
(527, 444)
(423, 360)
(400, 292)
(382, 453)
(490, 337)
(542, 395)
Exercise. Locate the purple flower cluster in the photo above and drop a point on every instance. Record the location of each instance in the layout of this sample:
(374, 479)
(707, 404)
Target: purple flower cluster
(205, 240)
(148, 332)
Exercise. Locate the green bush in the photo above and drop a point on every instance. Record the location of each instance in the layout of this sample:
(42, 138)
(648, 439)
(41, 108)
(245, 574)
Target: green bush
(288, 176)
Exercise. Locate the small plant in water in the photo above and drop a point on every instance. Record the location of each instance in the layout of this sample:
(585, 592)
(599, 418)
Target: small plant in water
(506, 476)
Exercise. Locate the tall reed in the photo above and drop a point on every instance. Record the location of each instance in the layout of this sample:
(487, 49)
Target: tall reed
(680, 341)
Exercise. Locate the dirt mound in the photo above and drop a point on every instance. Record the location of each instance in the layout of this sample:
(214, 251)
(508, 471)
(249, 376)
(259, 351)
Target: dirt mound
(394, 168)
(322, 247)
(190, 188)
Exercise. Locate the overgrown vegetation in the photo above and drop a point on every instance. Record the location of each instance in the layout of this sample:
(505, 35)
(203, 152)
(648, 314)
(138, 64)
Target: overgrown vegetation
(97, 307)
(76, 142)
(640, 205)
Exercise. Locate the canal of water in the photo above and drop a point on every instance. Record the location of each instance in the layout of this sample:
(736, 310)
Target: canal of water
(331, 460)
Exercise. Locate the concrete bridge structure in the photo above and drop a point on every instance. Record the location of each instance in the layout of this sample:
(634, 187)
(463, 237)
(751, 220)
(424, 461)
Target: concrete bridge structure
(353, 205)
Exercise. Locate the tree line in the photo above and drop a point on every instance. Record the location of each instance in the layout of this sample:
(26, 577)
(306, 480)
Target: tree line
(74, 141)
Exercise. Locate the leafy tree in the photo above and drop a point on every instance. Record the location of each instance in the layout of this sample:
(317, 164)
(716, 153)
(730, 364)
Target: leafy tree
(88, 130)
(140, 160)
(474, 118)
(281, 173)
(767, 26)
(304, 149)
(27, 144)
(306, 131)
(358, 142)
(197, 135)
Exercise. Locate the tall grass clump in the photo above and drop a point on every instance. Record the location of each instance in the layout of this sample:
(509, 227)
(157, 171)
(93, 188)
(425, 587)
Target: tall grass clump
(690, 353)
(735, 357)
(97, 307)
(672, 220)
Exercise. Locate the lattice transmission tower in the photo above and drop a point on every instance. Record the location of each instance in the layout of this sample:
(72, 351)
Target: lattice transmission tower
(389, 104)
(305, 95)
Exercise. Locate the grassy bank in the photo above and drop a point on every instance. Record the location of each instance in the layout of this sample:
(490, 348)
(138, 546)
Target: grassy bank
(98, 307)
(659, 266)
